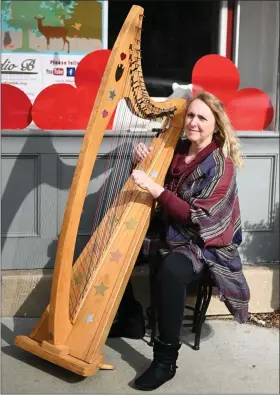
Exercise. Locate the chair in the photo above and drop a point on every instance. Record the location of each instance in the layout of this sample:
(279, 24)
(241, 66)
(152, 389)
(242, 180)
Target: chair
(205, 286)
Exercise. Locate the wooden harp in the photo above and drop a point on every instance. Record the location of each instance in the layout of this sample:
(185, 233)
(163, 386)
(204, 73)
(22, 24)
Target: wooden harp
(85, 295)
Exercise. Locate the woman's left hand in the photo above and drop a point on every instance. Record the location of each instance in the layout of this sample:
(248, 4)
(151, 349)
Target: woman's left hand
(144, 181)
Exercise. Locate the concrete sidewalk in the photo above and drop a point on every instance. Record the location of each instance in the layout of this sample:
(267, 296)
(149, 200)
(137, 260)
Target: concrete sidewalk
(233, 359)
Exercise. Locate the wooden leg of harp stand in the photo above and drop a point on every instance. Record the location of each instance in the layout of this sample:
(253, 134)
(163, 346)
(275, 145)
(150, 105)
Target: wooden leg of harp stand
(104, 366)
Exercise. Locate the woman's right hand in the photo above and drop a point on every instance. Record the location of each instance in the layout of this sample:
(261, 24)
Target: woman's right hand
(140, 152)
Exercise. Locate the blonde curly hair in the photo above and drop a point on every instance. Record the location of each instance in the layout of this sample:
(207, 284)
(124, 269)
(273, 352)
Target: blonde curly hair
(225, 137)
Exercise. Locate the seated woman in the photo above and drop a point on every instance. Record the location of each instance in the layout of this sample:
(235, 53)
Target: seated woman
(202, 228)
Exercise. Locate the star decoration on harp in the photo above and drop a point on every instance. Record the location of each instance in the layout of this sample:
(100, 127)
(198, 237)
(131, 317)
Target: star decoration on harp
(78, 279)
(112, 94)
(154, 174)
(131, 224)
(116, 256)
(113, 219)
(100, 289)
(89, 318)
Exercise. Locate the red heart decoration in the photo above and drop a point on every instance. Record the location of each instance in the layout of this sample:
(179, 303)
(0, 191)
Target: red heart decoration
(91, 68)
(15, 108)
(123, 56)
(62, 106)
(216, 74)
(250, 109)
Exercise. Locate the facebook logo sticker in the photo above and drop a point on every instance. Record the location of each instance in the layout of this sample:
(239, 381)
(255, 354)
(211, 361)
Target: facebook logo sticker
(70, 71)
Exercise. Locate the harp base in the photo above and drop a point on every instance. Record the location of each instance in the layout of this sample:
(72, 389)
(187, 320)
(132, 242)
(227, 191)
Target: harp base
(66, 361)
(58, 350)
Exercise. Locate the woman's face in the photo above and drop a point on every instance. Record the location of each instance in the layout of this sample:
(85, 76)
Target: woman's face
(199, 122)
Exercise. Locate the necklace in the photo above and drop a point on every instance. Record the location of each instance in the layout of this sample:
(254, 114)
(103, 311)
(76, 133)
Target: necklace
(176, 183)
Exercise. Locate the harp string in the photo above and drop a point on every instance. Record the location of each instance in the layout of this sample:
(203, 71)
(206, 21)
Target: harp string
(123, 198)
(119, 167)
(94, 251)
(89, 257)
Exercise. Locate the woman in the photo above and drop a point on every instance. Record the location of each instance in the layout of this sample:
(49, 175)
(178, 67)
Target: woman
(200, 208)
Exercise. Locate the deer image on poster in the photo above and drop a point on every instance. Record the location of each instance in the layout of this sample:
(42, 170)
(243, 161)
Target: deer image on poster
(51, 26)
(53, 32)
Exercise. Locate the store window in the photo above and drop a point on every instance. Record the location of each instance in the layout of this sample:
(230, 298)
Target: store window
(175, 35)
(42, 44)
(257, 49)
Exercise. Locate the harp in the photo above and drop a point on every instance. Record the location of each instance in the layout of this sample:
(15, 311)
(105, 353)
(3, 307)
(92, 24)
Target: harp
(85, 295)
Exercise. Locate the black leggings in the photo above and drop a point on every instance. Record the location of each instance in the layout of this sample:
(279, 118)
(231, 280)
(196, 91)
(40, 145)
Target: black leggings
(170, 280)
(172, 276)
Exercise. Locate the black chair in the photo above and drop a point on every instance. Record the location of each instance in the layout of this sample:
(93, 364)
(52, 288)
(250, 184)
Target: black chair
(204, 293)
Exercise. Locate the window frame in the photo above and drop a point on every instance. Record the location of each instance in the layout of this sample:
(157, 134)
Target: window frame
(223, 28)
(105, 24)
(235, 59)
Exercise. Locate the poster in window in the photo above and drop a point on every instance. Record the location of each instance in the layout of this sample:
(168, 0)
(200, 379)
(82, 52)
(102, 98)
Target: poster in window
(44, 41)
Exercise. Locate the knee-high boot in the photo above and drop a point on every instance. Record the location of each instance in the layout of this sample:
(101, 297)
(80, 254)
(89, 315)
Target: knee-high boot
(162, 368)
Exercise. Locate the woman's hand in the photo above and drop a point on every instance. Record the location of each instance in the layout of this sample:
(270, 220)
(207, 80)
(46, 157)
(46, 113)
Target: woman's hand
(140, 152)
(140, 178)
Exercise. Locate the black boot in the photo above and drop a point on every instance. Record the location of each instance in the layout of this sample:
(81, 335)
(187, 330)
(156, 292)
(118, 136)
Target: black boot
(130, 323)
(162, 368)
